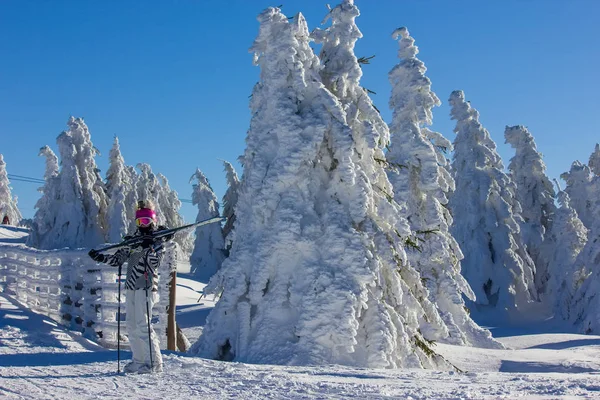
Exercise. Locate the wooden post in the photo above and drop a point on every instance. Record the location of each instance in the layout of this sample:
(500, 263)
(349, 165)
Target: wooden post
(171, 325)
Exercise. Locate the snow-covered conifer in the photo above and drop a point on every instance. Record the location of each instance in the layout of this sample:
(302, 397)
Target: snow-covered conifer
(487, 218)
(341, 74)
(586, 305)
(118, 186)
(131, 197)
(209, 247)
(594, 162)
(170, 205)
(148, 188)
(535, 194)
(8, 202)
(578, 188)
(316, 273)
(423, 183)
(78, 205)
(229, 202)
(563, 243)
(43, 220)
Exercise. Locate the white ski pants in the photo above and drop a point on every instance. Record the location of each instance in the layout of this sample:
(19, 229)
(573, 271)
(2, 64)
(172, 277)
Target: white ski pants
(137, 327)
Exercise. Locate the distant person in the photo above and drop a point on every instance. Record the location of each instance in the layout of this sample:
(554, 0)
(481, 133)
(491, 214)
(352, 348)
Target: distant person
(141, 284)
(5, 220)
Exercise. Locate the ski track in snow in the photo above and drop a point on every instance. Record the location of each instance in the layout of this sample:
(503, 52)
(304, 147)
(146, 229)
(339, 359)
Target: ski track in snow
(41, 360)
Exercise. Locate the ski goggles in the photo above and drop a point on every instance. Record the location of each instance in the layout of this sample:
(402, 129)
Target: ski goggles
(144, 221)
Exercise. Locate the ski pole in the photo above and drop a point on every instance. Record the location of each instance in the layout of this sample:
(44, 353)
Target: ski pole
(119, 325)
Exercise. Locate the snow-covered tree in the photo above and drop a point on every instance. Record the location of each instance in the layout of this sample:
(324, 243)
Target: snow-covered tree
(423, 183)
(170, 205)
(229, 202)
(578, 188)
(341, 74)
(316, 273)
(594, 162)
(77, 207)
(209, 248)
(564, 241)
(43, 220)
(487, 218)
(131, 197)
(118, 186)
(586, 304)
(535, 194)
(148, 188)
(8, 202)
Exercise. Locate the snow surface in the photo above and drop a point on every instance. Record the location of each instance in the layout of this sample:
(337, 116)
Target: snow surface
(13, 235)
(42, 360)
(39, 359)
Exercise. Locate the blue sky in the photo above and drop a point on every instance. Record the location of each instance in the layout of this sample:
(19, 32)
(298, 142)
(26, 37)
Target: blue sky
(172, 78)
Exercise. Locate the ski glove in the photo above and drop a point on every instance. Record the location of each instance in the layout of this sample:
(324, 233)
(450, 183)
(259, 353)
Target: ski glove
(96, 256)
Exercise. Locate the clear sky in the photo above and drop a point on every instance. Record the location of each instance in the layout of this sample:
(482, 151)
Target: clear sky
(172, 78)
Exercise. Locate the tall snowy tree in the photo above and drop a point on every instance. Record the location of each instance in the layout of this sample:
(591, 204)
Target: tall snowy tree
(8, 203)
(564, 241)
(209, 248)
(535, 194)
(44, 218)
(316, 274)
(423, 183)
(594, 162)
(487, 218)
(118, 186)
(148, 188)
(230, 200)
(78, 206)
(341, 74)
(131, 197)
(170, 205)
(578, 188)
(586, 304)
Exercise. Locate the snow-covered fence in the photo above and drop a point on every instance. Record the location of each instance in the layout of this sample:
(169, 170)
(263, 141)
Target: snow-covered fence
(66, 285)
(73, 290)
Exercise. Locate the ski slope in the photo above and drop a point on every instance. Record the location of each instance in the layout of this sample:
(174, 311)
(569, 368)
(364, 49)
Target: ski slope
(41, 360)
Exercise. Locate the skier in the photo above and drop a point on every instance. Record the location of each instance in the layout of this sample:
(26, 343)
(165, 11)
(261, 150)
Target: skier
(141, 284)
(5, 220)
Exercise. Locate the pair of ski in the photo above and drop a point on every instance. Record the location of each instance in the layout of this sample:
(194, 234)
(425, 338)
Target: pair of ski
(136, 241)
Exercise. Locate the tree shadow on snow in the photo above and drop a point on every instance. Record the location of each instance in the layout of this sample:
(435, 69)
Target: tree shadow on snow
(568, 344)
(192, 315)
(54, 359)
(537, 367)
(37, 329)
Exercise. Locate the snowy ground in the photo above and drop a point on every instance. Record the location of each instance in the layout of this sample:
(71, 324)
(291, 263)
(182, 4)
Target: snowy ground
(11, 234)
(41, 360)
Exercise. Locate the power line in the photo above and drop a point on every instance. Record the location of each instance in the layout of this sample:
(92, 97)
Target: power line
(28, 179)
